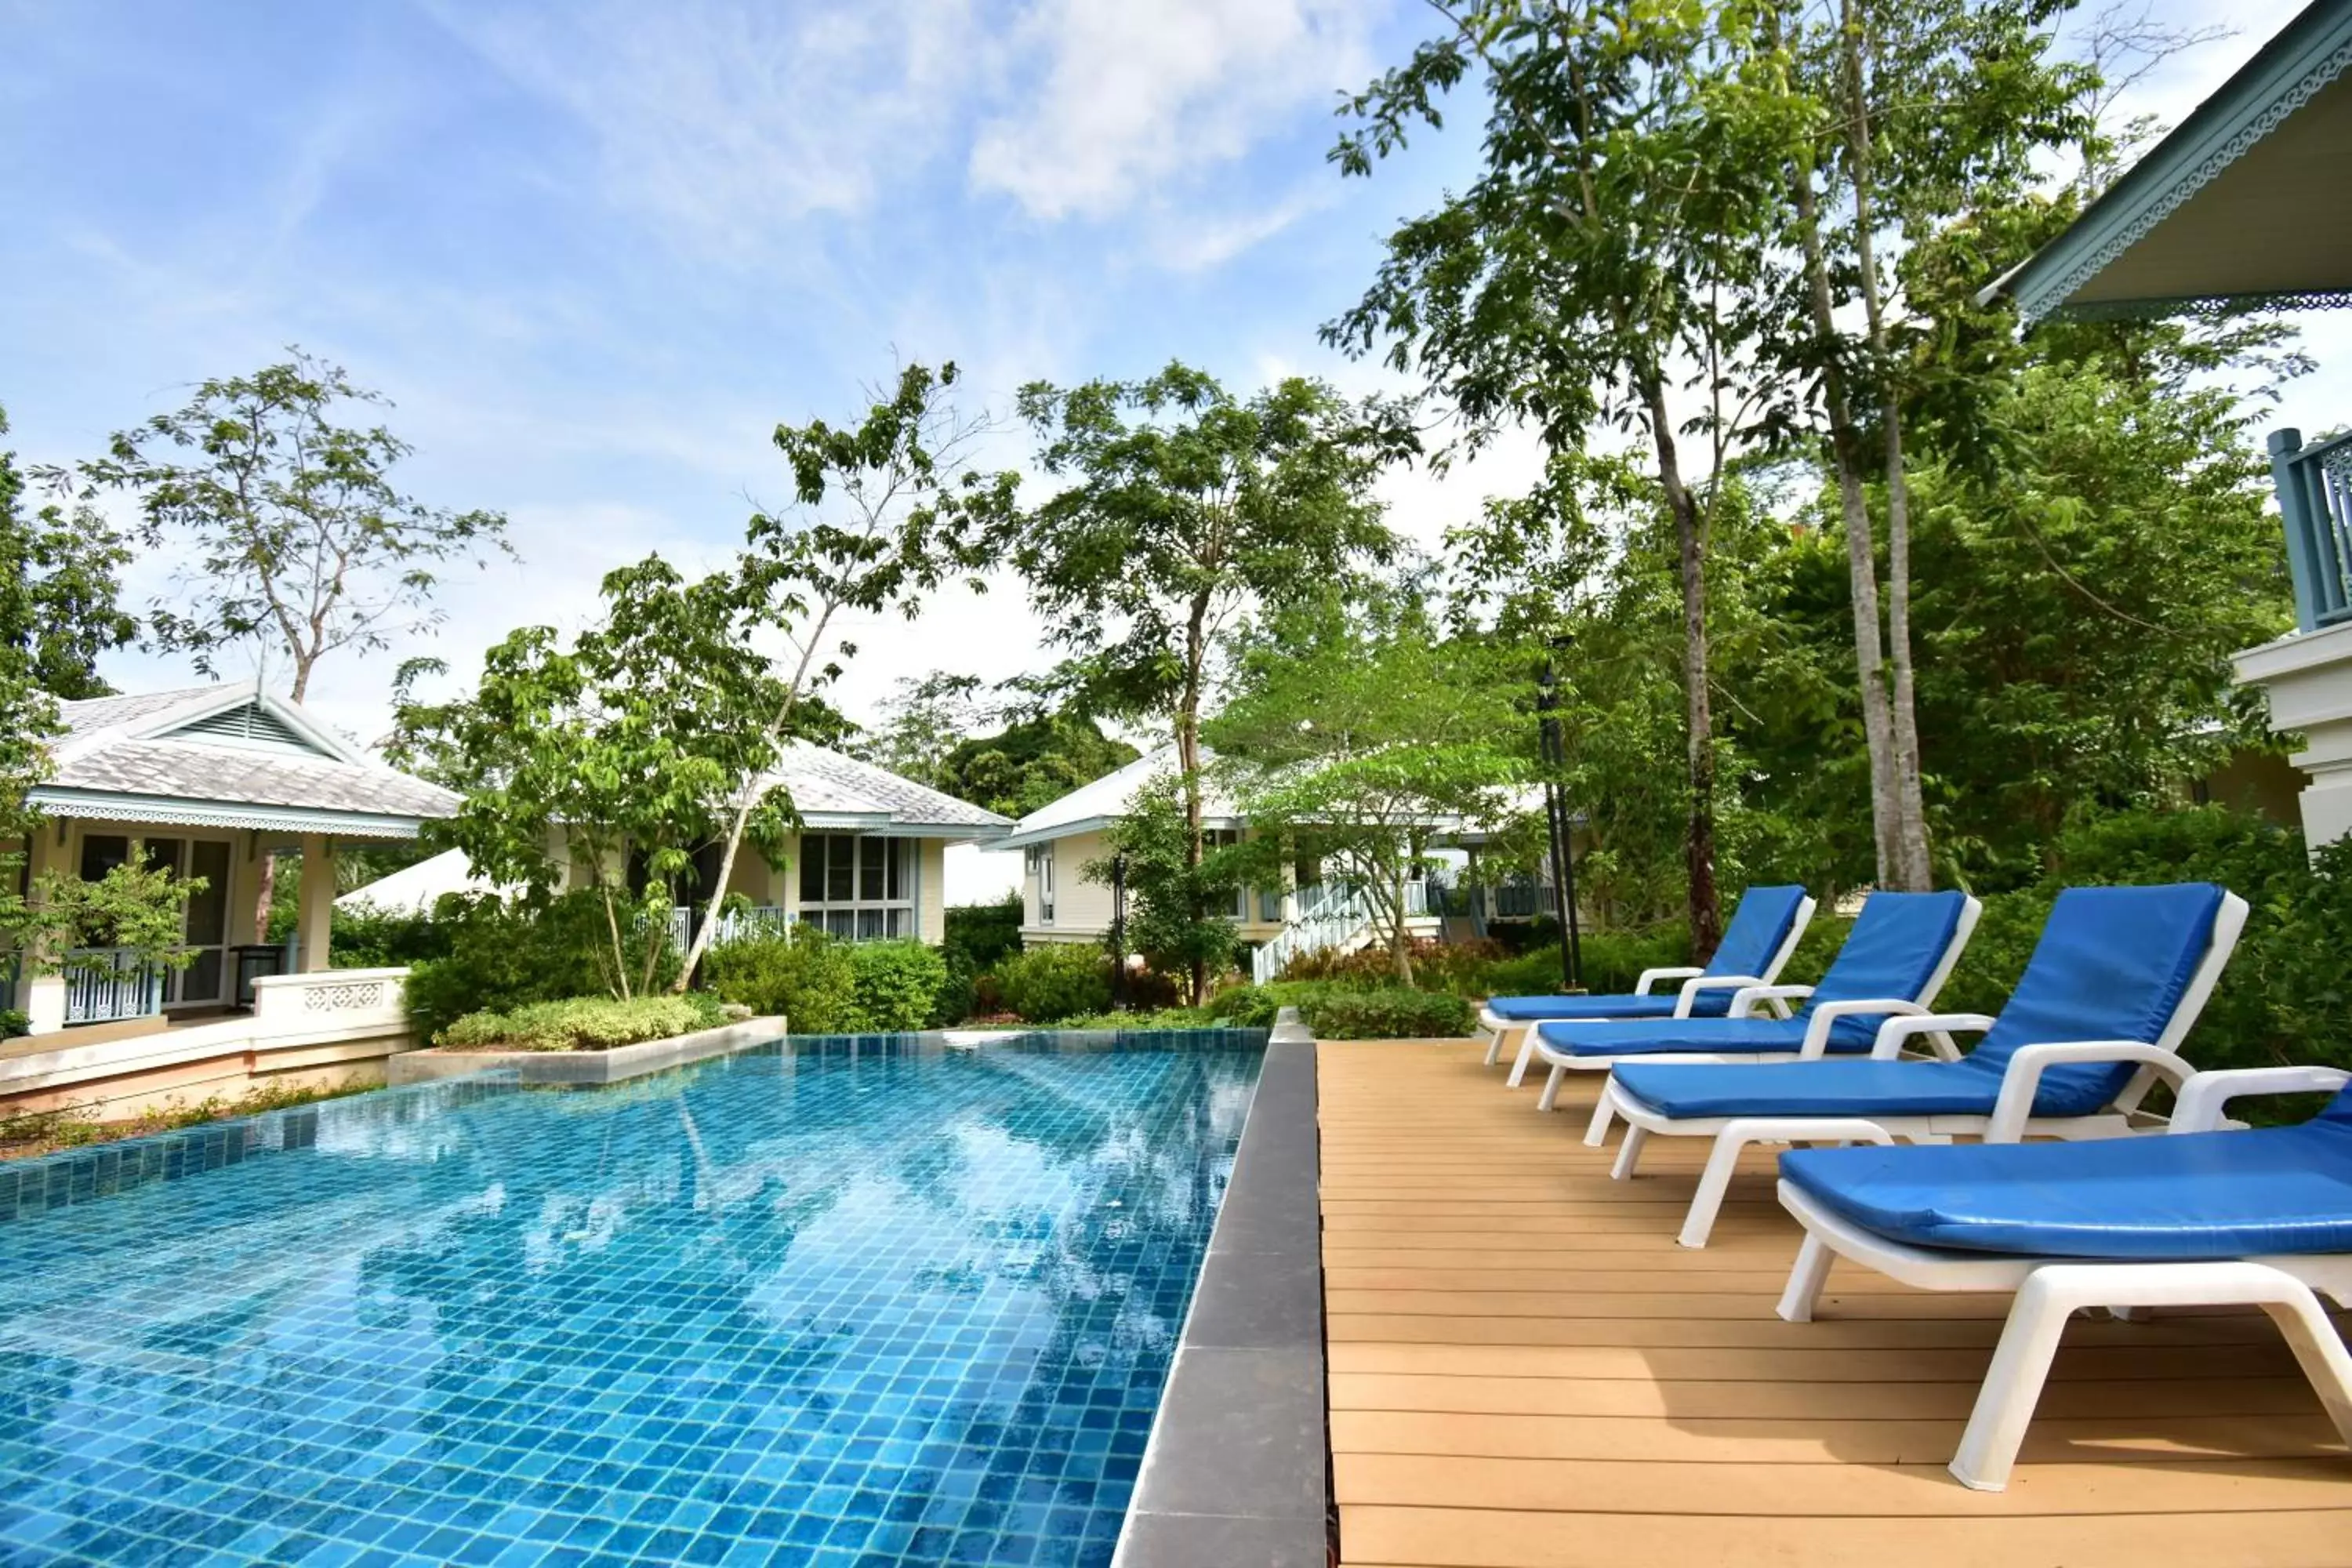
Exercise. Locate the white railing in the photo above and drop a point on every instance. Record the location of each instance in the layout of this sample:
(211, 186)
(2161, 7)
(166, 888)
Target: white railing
(107, 984)
(330, 998)
(1327, 915)
(734, 925)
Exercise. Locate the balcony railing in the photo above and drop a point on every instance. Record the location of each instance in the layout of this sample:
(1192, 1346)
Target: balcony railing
(2314, 492)
(107, 984)
(734, 925)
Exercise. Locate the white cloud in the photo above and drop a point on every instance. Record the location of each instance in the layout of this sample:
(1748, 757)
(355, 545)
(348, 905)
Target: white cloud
(1131, 93)
(733, 120)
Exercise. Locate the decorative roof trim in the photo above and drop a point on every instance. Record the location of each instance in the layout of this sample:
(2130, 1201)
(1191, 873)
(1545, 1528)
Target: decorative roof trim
(1047, 833)
(2306, 56)
(2213, 308)
(91, 806)
(883, 824)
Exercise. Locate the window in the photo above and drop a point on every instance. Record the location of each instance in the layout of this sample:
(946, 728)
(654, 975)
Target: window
(1212, 838)
(858, 887)
(1040, 868)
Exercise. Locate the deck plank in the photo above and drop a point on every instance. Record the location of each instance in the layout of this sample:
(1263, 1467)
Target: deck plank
(1527, 1372)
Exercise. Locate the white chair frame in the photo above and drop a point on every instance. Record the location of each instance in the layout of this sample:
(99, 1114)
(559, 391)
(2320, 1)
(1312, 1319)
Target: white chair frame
(2012, 1118)
(1814, 1046)
(1500, 1034)
(2049, 1290)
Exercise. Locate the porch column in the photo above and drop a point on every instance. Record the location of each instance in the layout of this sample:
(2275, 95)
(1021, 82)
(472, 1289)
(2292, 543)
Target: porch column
(43, 996)
(315, 912)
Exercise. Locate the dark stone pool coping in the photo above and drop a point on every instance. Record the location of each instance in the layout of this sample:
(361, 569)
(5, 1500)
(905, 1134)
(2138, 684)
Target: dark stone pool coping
(1236, 1470)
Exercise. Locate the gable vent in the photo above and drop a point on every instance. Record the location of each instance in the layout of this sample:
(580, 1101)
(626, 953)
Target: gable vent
(250, 726)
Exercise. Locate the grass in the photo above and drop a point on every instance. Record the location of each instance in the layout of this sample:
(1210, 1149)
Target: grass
(31, 1133)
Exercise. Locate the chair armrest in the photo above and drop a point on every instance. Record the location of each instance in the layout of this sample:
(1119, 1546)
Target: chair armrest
(1692, 987)
(2022, 1079)
(1893, 1033)
(1652, 976)
(2198, 1108)
(1744, 1000)
(1818, 1022)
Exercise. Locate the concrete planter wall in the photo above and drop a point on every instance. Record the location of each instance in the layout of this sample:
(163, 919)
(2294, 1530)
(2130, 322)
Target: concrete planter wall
(615, 1065)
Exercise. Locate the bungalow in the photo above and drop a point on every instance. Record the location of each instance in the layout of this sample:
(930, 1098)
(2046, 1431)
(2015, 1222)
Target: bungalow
(869, 861)
(205, 781)
(2229, 212)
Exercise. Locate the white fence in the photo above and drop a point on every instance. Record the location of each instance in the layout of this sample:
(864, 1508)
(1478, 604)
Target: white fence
(734, 925)
(105, 984)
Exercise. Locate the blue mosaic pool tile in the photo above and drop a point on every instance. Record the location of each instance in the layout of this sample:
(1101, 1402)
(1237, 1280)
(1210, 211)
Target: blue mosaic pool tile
(834, 1304)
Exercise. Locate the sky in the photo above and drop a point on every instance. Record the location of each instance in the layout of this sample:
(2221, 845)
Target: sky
(595, 250)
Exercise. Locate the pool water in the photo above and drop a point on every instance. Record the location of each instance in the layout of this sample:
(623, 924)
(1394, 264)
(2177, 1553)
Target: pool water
(828, 1302)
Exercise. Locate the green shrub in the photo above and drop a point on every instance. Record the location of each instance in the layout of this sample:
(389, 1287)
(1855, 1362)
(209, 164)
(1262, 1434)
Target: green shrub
(896, 985)
(368, 938)
(503, 955)
(1392, 1015)
(1250, 1006)
(581, 1023)
(1049, 983)
(812, 980)
(985, 933)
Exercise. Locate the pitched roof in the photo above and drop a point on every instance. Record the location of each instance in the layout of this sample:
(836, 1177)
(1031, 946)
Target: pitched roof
(221, 756)
(2229, 207)
(1091, 807)
(835, 791)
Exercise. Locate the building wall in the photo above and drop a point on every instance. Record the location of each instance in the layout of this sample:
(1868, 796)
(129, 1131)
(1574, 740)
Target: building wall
(1082, 909)
(931, 891)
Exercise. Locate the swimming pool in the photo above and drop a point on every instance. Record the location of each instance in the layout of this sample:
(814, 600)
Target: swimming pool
(849, 1303)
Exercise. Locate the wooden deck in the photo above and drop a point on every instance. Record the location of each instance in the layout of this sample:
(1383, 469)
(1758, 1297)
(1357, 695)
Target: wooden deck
(1527, 1372)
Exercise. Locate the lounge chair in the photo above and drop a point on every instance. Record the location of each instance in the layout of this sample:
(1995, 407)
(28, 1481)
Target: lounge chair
(1763, 932)
(1897, 956)
(2114, 987)
(2195, 1217)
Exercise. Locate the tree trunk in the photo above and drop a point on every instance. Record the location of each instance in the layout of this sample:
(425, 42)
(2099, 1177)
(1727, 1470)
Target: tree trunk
(1188, 762)
(1862, 566)
(1698, 840)
(1907, 867)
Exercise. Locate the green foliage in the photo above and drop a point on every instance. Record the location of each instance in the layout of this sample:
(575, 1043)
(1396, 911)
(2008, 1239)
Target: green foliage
(1393, 1013)
(60, 585)
(896, 985)
(1170, 893)
(811, 980)
(583, 1024)
(291, 527)
(1046, 984)
(1351, 727)
(366, 938)
(985, 933)
(503, 954)
(1031, 762)
(629, 744)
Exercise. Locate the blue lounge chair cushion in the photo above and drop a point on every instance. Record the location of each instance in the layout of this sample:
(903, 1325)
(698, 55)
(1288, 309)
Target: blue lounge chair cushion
(1689, 1090)
(2162, 1198)
(1743, 1036)
(1758, 926)
(2112, 965)
(1894, 950)
(1600, 1009)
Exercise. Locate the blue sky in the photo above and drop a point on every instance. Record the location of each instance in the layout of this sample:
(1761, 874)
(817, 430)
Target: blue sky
(595, 250)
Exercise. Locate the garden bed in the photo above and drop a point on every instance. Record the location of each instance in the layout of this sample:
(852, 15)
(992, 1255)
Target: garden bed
(613, 1064)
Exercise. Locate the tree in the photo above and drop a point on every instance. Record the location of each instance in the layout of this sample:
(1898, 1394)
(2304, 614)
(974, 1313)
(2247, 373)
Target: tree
(1172, 888)
(1031, 761)
(880, 520)
(1355, 732)
(297, 536)
(1915, 112)
(1620, 217)
(620, 752)
(922, 725)
(58, 612)
(1185, 508)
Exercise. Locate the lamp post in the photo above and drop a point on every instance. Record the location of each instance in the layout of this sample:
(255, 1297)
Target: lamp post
(1117, 929)
(1556, 820)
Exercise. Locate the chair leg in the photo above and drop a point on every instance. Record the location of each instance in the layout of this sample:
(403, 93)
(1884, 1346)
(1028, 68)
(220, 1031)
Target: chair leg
(1629, 1154)
(2004, 1405)
(1805, 1281)
(1714, 1182)
(1519, 1063)
(1604, 1111)
(1494, 1044)
(1552, 1088)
